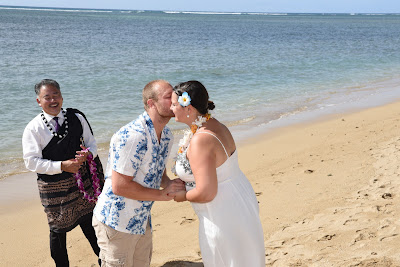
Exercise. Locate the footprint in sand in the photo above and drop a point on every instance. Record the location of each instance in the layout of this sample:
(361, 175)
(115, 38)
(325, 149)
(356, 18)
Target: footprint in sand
(350, 221)
(326, 238)
(387, 208)
(186, 220)
(387, 196)
(387, 237)
(362, 232)
(364, 236)
(279, 173)
(375, 262)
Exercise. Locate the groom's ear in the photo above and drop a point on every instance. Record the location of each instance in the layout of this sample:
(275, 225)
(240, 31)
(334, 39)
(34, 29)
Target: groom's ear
(150, 103)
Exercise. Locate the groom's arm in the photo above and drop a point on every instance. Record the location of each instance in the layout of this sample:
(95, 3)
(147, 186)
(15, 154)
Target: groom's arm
(123, 185)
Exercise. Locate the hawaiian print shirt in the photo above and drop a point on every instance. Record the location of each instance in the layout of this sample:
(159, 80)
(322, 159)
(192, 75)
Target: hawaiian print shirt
(134, 151)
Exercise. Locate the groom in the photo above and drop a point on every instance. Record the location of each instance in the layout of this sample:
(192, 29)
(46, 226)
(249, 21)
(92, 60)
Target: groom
(135, 171)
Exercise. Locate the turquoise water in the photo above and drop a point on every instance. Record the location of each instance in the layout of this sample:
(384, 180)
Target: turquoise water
(261, 70)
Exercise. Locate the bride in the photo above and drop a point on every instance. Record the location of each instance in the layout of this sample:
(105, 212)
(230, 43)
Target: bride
(230, 231)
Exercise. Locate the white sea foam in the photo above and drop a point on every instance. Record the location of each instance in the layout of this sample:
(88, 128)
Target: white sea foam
(202, 12)
(57, 9)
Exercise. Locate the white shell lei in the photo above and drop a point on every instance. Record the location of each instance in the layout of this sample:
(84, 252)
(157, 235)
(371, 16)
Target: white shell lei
(187, 136)
(184, 142)
(51, 129)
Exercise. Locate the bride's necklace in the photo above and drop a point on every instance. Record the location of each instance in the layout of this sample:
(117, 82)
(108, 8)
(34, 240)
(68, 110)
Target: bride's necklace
(61, 136)
(184, 142)
(198, 123)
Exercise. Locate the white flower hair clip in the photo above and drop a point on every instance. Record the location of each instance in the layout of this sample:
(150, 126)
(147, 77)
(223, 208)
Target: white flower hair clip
(184, 99)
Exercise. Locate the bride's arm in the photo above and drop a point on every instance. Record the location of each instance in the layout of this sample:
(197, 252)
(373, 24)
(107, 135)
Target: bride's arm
(202, 159)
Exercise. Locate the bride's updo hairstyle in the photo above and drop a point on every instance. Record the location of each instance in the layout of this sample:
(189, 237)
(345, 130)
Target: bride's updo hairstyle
(198, 95)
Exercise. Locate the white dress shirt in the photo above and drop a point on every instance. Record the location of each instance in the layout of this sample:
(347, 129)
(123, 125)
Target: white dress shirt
(36, 136)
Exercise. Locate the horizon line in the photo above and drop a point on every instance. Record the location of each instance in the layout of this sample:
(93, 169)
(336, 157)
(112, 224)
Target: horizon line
(198, 11)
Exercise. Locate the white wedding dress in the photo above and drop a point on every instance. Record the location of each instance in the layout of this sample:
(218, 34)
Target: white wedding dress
(230, 232)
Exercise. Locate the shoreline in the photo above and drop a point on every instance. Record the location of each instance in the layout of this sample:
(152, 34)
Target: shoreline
(314, 181)
(339, 101)
(27, 180)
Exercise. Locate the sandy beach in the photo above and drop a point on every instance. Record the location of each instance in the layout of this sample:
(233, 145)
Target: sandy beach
(327, 189)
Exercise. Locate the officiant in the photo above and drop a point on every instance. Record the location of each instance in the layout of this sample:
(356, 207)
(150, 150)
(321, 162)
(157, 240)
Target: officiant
(59, 146)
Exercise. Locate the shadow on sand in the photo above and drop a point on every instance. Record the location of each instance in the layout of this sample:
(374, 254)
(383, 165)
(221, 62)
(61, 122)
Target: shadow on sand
(182, 264)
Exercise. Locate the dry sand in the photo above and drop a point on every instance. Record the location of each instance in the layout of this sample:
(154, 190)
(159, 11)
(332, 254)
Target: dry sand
(328, 194)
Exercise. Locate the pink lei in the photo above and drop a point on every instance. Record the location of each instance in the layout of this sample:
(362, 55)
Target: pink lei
(95, 179)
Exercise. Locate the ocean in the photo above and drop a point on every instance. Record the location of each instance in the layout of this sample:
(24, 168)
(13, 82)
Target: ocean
(262, 70)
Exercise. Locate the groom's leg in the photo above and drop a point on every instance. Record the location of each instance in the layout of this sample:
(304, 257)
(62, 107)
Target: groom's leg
(144, 249)
(116, 248)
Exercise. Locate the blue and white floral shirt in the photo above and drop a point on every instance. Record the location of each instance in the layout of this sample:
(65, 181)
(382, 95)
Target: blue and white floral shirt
(134, 151)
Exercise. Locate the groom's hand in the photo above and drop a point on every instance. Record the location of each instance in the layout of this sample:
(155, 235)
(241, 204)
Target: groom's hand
(180, 182)
(177, 184)
(173, 186)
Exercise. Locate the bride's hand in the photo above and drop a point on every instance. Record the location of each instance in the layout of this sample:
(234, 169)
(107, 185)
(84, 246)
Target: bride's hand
(180, 196)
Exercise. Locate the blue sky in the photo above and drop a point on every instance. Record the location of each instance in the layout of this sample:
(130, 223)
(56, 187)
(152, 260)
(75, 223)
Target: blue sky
(296, 6)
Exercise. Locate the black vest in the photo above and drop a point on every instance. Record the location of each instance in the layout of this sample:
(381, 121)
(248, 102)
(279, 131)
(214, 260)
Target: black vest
(60, 196)
(63, 149)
